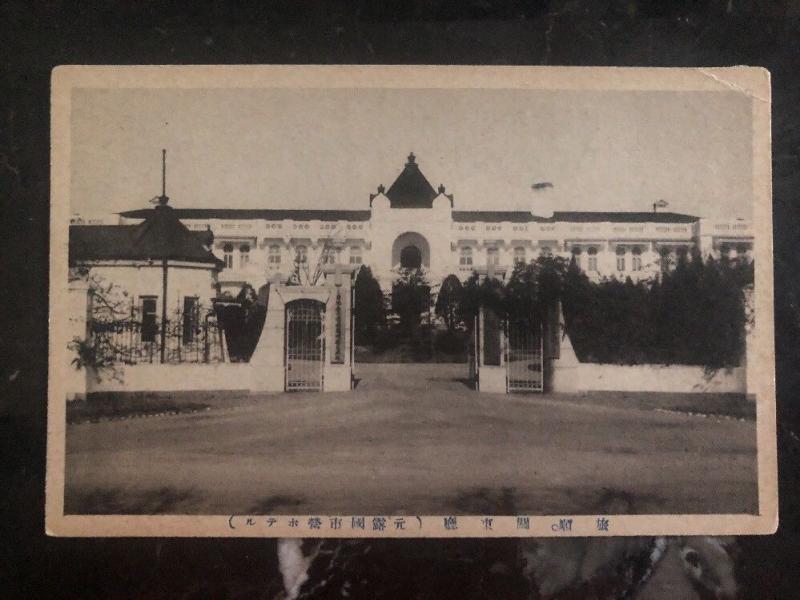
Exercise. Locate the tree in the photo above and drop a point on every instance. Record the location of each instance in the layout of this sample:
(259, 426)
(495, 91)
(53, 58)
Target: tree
(303, 273)
(411, 296)
(476, 293)
(694, 314)
(448, 300)
(370, 313)
(109, 308)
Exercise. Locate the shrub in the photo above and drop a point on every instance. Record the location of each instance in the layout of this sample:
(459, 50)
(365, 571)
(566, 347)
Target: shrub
(370, 312)
(448, 301)
(243, 321)
(411, 296)
(693, 315)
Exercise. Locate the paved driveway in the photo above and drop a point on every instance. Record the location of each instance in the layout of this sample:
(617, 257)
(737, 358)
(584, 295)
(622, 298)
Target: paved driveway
(412, 439)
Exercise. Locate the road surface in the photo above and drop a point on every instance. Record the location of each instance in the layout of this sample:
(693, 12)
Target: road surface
(412, 439)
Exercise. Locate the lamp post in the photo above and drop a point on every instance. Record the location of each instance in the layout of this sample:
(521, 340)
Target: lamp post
(162, 202)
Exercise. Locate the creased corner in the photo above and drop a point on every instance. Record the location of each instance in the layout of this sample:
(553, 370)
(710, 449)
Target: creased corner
(733, 86)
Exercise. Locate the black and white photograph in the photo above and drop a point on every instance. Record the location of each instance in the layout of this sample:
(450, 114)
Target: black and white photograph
(410, 301)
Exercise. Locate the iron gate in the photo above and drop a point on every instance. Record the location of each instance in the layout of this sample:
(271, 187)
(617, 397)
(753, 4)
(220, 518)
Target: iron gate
(524, 357)
(305, 345)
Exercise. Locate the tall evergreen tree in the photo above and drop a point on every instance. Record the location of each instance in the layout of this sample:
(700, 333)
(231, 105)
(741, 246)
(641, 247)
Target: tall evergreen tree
(370, 312)
(448, 301)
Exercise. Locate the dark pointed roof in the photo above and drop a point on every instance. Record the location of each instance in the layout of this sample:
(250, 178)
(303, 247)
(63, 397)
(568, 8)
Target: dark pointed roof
(411, 189)
(161, 235)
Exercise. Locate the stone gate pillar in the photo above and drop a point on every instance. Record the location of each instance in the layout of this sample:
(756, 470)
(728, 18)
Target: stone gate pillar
(268, 363)
(339, 327)
(491, 345)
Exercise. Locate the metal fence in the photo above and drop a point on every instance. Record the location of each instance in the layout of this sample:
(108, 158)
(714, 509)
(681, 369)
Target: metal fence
(524, 357)
(189, 337)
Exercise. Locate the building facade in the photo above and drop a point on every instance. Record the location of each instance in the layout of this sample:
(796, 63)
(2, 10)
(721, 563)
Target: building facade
(143, 260)
(413, 225)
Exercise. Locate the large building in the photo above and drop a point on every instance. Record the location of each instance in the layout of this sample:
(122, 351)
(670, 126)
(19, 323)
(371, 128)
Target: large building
(411, 225)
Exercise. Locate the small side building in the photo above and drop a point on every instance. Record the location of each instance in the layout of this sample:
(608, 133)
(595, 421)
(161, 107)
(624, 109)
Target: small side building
(159, 263)
(142, 294)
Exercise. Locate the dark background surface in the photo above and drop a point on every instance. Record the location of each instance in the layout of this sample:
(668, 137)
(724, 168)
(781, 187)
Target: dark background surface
(36, 36)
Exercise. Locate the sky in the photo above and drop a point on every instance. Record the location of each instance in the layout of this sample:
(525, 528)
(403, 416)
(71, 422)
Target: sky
(323, 148)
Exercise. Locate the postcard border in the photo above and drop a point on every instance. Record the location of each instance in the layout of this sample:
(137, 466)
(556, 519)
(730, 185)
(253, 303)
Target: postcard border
(752, 82)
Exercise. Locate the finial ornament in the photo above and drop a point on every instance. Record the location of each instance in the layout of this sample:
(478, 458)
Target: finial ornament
(441, 188)
(163, 198)
(381, 188)
(411, 159)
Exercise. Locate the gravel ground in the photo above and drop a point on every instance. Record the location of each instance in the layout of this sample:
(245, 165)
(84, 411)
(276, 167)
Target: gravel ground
(411, 440)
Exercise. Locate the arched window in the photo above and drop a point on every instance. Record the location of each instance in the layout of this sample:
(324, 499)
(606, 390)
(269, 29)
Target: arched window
(410, 258)
(545, 251)
(301, 254)
(274, 257)
(492, 256)
(244, 255)
(465, 260)
(621, 258)
(519, 255)
(592, 252)
(227, 255)
(576, 255)
(637, 258)
(355, 255)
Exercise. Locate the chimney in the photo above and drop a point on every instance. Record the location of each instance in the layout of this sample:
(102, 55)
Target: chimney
(544, 201)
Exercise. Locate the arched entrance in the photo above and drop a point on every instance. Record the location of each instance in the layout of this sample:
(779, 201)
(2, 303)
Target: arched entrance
(410, 257)
(411, 251)
(305, 345)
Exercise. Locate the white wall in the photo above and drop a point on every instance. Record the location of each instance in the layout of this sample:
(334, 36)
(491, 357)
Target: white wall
(568, 375)
(649, 378)
(443, 235)
(174, 378)
(77, 307)
(147, 280)
(388, 224)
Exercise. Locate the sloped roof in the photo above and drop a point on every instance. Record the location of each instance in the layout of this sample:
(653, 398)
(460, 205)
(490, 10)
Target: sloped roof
(493, 216)
(496, 216)
(411, 189)
(459, 216)
(267, 214)
(623, 217)
(161, 235)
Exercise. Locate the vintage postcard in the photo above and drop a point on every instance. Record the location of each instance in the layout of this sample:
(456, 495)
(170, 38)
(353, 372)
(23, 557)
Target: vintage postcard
(367, 301)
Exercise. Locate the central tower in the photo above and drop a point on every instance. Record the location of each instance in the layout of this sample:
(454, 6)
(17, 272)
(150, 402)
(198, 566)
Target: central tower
(411, 189)
(410, 225)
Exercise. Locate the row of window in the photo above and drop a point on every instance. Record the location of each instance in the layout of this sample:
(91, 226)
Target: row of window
(151, 321)
(331, 255)
(274, 255)
(520, 256)
(244, 255)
